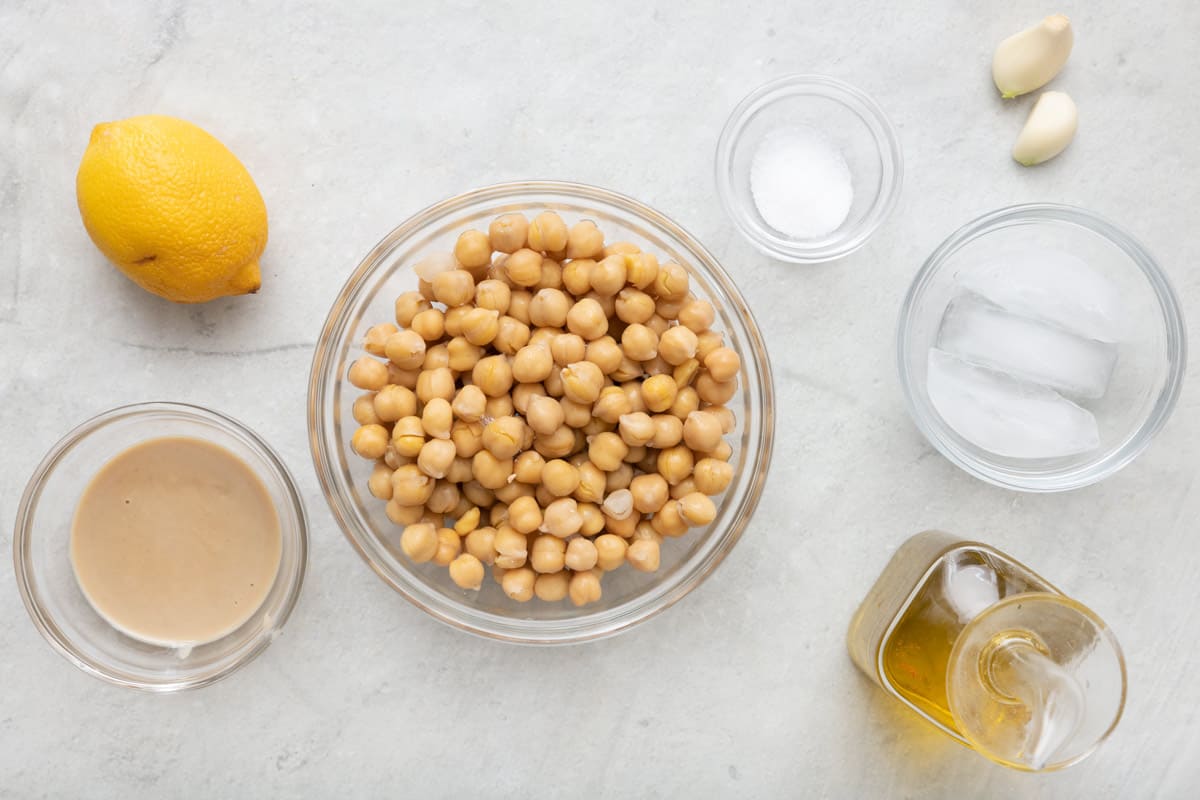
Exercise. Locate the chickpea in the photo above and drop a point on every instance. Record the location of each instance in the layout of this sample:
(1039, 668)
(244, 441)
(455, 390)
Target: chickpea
(641, 269)
(621, 527)
(426, 289)
(634, 306)
(608, 276)
(549, 308)
(543, 414)
(723, 364)
(639, 342)
(511, 336)
(607, 303)
(575, 415)
(581, 554)
(611, 405)
(435, 383)
(562, 518)
(687, 401)
(368, 373)
(697, 509)
(481, 543)
(649, 492)
(592, 483)
(473, 249)
(568, 348)
(474, 491)
(499, 406)
(493, 375)
(547, 553)
(610, 551)
(643, 555)
(522, 392)
(403, 515)
(702, 431)
(437, 418)
(507, 233)
(605, 353)
(552, 587)
(675, 463)
(557, 444)
(707, 342)
(435, 457)
(467, 571)
(393, 402)
(658, 392)
(411, 486)
(593, 519)
(408, 305)
(518, 306)
(548, 232)
(464, 505)
(498, 514)
(668, 431)
(619, 478)
(636, 428)
(621, 248)
(560, 478)
(636, 454)
(469, 403)
(587, 319)
(658, 324)
(671, 282)
(511, 547)
(480, 325)
(584, 588)
(468, 522)
(618, 505)
(503, 437)
(375, 337)
(668, 522)
(403, 377)
(722, 452)
(494, 295)
(513, 491)
(363, 409)
(669, 309)
(408, 436)
(448, 547)
(685, 373)
(419, 542)
(715, 392)
(684, 487)
(532, 364)
(551, 275)
(518, 584)
(582, 381)
(577, 276)
(524, 268)
(529, 466)
(491, 472)
(430, 325)
(459, 471)
(677, 345)
(697, 315)
(633, 392)
(607, 450)
(380, 482)
(584, 240)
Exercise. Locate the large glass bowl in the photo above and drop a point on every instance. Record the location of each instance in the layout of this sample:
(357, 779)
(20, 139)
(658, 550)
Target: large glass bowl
(1151, 360)
(58, 607)
(367, 299)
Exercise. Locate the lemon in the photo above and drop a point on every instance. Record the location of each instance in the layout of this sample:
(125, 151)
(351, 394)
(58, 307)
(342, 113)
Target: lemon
(172, 208)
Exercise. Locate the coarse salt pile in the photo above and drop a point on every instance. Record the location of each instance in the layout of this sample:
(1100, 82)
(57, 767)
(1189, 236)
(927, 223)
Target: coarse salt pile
(801, 183)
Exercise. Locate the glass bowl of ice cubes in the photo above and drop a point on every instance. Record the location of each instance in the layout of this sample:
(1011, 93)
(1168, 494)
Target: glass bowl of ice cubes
(1041, 348)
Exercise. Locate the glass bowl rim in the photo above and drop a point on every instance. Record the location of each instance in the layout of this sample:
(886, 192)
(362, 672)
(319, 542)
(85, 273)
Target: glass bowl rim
(887, 145)
(634, 611)
(1135, 441)
(23, 533)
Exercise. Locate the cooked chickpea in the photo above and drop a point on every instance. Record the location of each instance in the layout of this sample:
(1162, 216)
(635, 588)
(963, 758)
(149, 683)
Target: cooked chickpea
(547, 554)
(370, 441)
(668, 522)
(592, 519)
(491, 472)
(435, 457)
(722, 452)
(702, 431)
(723, 364)
(368, 373)
(643, 555)
(522, 392)
(634, 306)
(697, 509)
(544, 414)
(619, 478)
(582, 381)
(430, 325)
(376, 336)
(511, 336)
(552, 587)
(677, 345)
(668, 431)
(607, 303)
(697, 315)
(363, 409)
(687, 401)
(460, 470)
(532, 364)
(528, 467)
(499, 406)
(607, 451)
(587, 319)
(562, 518)
(618, 505)
(403, 515)
(403, 377)
(408, 305)
(481, 543)
(610, 551)
(393, 402)
(474, 491)
(507, 494)
(636, 428)
(480, 325)
(611, 405)
(467, 571)
(469, 403)
(468, 522)
(437, 418)
(649, 492)
(419, 542)
(608, 276)
(713, 391)
(434, 383)
(592, 483)
(408, 436)
(524, 268)
(669, 309)
(448, 547)
(675, 463)
(467, 437)
(411, 486)
(426, 289)
(639, 342)
(641, 269)
(503, 436)
(551, 275)
(685, 373)
(671, 282)
(512, 548)
(518, 584)
(658, 392)
(684, 487)
(584, 588)
(605, 353)
(567, 348)
(707, 342)
(549, 308)
(494, 295)
(473, 249)
(493, 375)
(620, 248)
(584, 240)
(548, 232)
(507, 233)
(581, 554)
(557, 444)
(518, 306)
(380, 482)
(560, 478)
(577, 276)
(453, 287)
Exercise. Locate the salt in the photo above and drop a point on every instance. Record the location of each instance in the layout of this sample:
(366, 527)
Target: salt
(800, 182)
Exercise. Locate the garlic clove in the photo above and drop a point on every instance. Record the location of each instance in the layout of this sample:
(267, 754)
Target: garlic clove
(1050, 128)
(1030, 59)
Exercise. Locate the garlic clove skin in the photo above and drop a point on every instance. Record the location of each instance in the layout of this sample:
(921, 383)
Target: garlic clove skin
(1050, 128)
(1030, 59)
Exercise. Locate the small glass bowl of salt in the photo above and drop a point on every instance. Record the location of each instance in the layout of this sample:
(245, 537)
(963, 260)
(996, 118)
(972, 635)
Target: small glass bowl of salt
(808, 167)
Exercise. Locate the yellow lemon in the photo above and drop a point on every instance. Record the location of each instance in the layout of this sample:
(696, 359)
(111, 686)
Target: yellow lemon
(172, 208)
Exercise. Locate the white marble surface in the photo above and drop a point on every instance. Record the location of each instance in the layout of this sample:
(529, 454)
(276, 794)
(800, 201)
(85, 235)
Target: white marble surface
(350, 118)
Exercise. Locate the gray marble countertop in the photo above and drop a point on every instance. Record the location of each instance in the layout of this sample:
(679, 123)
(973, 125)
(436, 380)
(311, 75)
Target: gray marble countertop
(353, 116)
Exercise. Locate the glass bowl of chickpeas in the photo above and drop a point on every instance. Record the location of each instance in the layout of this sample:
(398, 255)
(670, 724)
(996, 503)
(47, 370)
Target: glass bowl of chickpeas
(541, 411)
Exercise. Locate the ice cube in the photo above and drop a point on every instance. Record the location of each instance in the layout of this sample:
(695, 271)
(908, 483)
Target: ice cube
(985, 334)
(970, 588)
(1052, 286)
(1004, 415)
